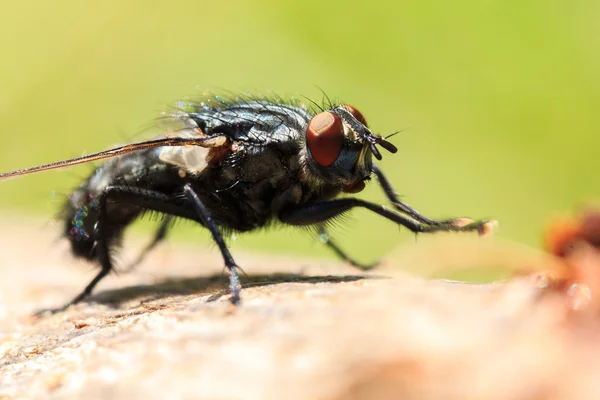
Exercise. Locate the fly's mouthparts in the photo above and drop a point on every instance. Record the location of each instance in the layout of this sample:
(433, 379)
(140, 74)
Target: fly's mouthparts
(375, 150)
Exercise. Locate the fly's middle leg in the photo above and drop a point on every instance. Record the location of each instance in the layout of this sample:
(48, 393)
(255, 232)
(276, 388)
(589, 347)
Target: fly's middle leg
(189, 207)
(209, 223)
(318, 213)
(326, 239)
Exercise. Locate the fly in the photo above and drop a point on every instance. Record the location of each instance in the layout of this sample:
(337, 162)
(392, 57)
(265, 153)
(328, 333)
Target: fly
(235, 165)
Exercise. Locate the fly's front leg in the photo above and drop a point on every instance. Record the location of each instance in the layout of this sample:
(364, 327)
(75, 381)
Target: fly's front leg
(318, 213)
(204, 215)
(400, 206)
(325, 238)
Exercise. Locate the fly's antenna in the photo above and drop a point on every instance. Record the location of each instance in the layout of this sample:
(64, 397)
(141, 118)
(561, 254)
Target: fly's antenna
(386, 145)
(383, 142)
(208, 142)
(375, 140)
(391, 134)
(371, 139)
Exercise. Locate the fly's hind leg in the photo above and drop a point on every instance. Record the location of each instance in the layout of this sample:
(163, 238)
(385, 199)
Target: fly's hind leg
(127, 195)
(159, 236)
(103, 251)
(105, 268)
(326, 239)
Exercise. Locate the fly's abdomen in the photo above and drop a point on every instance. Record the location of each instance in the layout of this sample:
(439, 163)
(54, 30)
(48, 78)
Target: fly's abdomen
(81, 216)
(82, 211)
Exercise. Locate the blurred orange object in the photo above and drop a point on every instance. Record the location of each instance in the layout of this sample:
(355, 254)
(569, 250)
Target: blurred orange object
(576, 241)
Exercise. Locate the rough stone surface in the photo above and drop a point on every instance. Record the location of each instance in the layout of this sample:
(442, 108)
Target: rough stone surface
(307, 329)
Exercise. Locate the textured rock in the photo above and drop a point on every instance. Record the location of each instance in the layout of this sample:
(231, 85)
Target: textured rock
(306, 330)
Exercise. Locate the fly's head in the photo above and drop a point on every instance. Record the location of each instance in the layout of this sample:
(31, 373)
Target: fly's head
(340, 147)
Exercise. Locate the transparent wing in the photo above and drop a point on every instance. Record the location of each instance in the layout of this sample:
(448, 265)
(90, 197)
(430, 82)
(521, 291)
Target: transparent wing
(177, 141)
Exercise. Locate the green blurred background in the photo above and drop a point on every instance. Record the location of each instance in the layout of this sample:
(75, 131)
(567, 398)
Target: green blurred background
(497, 100)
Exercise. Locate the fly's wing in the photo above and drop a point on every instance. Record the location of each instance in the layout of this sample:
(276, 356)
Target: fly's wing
(189, 138)
(191, 159)
(195, 130)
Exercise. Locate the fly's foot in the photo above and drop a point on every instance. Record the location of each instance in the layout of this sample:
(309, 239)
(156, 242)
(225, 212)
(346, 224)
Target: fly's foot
(50, 311)
(361, 266)
(483, 227)
(325, 239)
(461, 222)
(488, 227)
(81, 296)
(234, 285)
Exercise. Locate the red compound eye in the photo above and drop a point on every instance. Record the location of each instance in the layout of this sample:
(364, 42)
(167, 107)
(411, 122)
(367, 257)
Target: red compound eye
(325, 138)
(356, 114)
